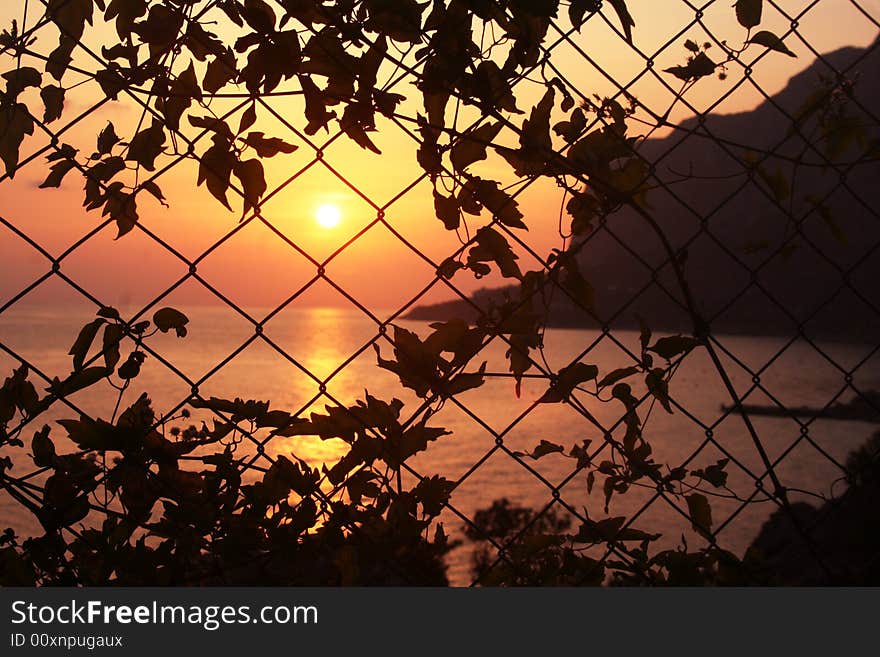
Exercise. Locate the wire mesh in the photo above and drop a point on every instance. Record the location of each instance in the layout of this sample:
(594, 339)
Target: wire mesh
(561, 57)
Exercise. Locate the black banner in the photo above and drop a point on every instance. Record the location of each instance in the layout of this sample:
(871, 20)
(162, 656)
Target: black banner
(150, 621)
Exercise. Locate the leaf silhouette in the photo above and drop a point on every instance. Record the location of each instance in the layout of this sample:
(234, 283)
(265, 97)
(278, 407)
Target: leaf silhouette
(448, 211)
(317, 114)
(699, 67)
(147, 145)
(567, 380)
(57, 172)
(542, 449)
(672, 346)
(617, 375)
(43, 448)
(107, 139)
(53, 101)
(131, 368)
(183, 91)
(748, 12)
(626, 20)
(502, 206)
(771, 41)
(472, 145)
(535, 143)
(83, 342)
(577, 9)
(19, 79)
(15, 124)
(253, 182)
(215, 169)
(491, 246)
(268, 146)
(166, 319)
(700, 512)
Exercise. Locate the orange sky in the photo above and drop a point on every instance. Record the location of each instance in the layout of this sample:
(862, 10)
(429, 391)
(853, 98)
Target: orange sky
(256, 268)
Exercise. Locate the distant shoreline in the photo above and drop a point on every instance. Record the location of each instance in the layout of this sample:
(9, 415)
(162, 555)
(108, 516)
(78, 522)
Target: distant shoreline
(755, 325)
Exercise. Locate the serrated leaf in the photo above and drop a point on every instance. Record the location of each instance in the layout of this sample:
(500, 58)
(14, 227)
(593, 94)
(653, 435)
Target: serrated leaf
(146, 146)
(471, 146)
(19, 79)
(536, 146)
(57, 172)
(107, 139)
(183, 91)
(433, 493)
(268, 146)
(491, 246)
(464, 382)
(502, 205)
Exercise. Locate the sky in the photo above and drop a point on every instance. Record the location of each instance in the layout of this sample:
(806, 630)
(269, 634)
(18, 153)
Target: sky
(257, 267)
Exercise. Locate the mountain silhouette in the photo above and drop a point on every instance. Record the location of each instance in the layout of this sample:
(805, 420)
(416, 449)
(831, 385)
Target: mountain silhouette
(758, 260)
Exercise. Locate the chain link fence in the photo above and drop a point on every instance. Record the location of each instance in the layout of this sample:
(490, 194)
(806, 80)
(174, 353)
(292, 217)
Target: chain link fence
(718, 227)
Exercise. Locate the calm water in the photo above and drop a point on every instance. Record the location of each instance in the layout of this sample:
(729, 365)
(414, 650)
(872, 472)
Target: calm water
(320, 340)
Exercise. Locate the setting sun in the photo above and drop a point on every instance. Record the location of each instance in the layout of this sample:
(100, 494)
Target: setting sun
(328, 216)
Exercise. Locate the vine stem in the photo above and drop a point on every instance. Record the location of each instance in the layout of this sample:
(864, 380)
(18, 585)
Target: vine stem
(701, 331)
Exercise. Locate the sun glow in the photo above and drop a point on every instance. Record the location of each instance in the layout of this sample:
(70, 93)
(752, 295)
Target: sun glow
(328, 216)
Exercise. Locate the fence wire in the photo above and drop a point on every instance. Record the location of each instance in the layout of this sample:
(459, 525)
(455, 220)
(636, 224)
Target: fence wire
(39, 25)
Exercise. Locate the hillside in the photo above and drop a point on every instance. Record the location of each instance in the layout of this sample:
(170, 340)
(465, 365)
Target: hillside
(730, 225)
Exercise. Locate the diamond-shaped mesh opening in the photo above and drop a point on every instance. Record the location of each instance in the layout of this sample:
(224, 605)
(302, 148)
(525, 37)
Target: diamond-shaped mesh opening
(823, 321)
(127, 277)
(392, 291)
(27, 322)
(255, 254)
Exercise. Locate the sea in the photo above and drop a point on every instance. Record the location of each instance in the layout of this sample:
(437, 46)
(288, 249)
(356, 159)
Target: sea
(307, 358)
